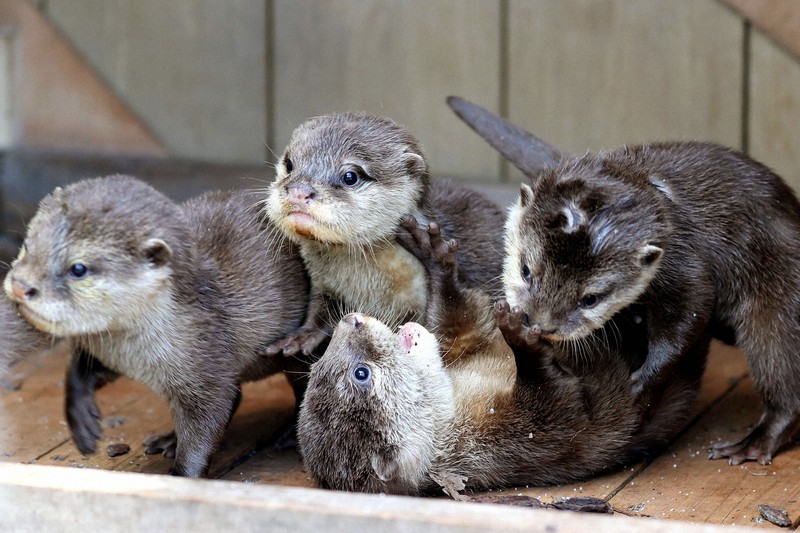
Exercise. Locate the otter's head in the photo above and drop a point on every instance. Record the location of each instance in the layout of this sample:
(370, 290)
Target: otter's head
(347, 178)
(374, 404)
(95, 256)
(581, 244)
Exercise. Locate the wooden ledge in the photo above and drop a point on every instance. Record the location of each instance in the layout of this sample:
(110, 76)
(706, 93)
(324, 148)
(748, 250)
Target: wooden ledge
(48, 498)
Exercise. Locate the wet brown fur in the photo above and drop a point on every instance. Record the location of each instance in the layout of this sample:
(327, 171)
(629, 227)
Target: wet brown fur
(176, 296)
(501, 412)
(728, 231)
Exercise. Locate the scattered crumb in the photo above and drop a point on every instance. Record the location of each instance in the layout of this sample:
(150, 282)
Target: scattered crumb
(775, 515)
(120, 448)
(111, 422)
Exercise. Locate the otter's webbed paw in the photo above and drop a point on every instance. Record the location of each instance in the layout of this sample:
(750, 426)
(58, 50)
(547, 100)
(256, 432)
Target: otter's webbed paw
(304, 341)
(83, 418)
(165, 444)
(513, 324)
(428, 245)
(773, 430)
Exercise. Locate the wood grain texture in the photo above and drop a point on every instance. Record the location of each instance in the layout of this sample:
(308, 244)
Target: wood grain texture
(602, 73)
(780, 19)
(396, 58)
(775, 108)
(194, 69)
(59, 102)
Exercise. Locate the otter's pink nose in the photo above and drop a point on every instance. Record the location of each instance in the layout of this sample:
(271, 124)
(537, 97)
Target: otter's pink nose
(22, 291)
(300, 194)
(355, 319)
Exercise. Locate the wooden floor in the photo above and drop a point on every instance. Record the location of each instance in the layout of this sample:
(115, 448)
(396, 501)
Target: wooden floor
(682, 484)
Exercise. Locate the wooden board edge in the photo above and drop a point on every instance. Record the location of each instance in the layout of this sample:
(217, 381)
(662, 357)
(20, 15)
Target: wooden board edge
(48, 498)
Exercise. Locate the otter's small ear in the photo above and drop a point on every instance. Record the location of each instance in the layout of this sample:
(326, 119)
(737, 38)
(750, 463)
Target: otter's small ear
(650, 255)
(384, 463)
(415, 164)
(157, 252)
(525, 195)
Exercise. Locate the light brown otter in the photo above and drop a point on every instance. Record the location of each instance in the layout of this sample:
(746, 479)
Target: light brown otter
(177, 297)
(19, 338)
(342, 185)
(703, 238)
(399, 413)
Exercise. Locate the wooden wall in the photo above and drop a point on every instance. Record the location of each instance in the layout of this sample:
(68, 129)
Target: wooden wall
(229, 81)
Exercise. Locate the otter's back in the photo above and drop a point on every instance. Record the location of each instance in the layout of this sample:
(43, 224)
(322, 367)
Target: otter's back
(255, 278)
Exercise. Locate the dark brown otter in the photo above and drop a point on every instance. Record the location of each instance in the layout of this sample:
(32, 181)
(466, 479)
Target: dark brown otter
(403, 413)
(177, 297)
(342, 185)
(705, 239)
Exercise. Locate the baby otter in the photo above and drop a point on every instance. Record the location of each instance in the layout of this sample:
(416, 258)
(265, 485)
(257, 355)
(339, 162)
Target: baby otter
(394, 413)
(342, 185)
(704, 238)
(177, 297)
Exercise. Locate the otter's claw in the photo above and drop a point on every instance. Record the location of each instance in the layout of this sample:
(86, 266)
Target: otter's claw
(165, 444)
(304, 342)
(513, 324)
(83, 417)
(427, 245)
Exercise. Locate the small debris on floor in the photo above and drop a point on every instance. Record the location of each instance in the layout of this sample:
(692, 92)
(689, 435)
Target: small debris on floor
(120, 448)
(582, 504)
(111, 422)
(775, 515)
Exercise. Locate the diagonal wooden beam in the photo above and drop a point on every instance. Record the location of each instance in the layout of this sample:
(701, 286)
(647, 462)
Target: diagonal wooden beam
(780, 19)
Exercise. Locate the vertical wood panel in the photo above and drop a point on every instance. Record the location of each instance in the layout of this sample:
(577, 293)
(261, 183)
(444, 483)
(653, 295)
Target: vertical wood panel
(775, 108)
(594, 74)
(395, 58)
(193, 69)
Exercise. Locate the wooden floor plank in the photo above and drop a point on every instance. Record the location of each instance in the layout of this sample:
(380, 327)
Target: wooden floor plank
(681, 484)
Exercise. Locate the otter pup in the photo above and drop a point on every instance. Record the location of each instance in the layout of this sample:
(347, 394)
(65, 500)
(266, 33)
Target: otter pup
(704, 238)
(342, 185)
(177, 297)
(400, 413)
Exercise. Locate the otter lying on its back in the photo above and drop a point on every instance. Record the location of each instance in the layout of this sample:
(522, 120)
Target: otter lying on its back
(342, 185)
(389, 412)
(177, 297)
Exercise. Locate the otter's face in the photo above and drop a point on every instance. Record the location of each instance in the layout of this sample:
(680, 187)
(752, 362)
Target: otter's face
(373, 405)
(70, 279)
(576, 254)
(347, 179)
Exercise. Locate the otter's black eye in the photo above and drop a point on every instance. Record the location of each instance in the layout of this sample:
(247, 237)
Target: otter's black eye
(287, 163)
(362, 373)
(350, 178)
(78, 270)
(589, 301)
(526, 273)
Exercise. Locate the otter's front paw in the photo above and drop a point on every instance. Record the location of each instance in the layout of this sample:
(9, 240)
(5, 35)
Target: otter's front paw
(513, 324)
(427, 245)
(83, 418)
(165, 444)
(303, 341)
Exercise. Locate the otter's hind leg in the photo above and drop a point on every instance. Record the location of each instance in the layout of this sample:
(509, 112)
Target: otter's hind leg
(200, 423)
(774, 359)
